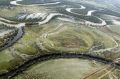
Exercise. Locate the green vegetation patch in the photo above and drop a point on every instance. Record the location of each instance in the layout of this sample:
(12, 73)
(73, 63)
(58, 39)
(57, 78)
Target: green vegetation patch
(69, 38)
(68, 69)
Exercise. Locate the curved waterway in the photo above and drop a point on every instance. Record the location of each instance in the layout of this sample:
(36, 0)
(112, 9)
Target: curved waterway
(70, 10)
(89, 13)
(49, 17)
(15, 2)
(39, 59)
(20, 27)
(29, 63)
(16, 37)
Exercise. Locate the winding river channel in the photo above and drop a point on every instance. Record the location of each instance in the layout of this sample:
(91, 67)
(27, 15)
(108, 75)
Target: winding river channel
(16, 3)
(49, 17)
(29, 63)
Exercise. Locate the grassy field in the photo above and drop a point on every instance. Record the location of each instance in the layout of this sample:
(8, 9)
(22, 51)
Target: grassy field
(69, 38)
(59, 36)
(5, 57)
(67, 69)
(62, 37)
